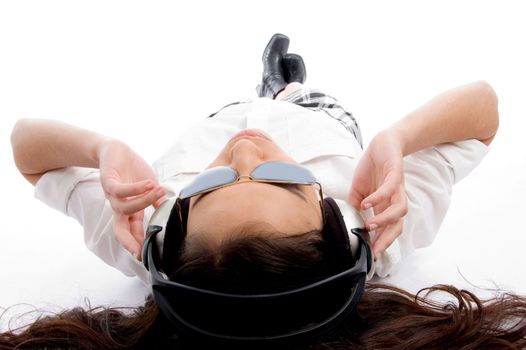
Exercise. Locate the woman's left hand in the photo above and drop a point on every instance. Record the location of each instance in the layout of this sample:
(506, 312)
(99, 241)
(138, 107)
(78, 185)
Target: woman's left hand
(130, 185)
(378, 183)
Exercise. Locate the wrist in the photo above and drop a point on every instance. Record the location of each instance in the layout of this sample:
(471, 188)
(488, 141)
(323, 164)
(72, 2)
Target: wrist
(392, 138)
(409, 133)
(100, 147)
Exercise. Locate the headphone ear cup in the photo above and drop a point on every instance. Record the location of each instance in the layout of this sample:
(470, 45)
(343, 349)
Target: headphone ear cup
(150, 231)
(174, 235)
(362, 234)
(335, 232)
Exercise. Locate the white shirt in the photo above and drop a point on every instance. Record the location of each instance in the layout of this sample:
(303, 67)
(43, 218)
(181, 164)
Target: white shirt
(314, 139)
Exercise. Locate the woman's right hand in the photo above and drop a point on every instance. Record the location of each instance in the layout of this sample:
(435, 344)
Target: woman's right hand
(379, 183)
(130, 185)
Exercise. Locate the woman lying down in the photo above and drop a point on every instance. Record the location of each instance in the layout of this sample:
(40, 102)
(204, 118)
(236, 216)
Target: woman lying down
(263, 224)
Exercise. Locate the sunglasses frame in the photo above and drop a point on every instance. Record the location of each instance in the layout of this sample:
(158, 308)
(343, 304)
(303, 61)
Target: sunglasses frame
(249, 178)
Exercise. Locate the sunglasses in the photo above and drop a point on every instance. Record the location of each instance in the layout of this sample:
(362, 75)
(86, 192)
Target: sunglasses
(270, 172)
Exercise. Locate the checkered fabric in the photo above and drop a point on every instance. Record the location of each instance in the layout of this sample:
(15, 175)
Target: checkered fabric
(318, 101)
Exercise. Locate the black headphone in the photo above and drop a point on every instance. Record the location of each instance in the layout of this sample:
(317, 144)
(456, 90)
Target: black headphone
(206, 314)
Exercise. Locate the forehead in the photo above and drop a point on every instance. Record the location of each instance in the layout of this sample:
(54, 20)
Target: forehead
(222, 211)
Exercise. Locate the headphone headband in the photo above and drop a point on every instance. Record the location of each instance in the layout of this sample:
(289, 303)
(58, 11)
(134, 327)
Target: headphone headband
(192, 310)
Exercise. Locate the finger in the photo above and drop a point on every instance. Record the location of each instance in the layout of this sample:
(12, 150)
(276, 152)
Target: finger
(117, 189)
(382, 194)
(160, 201)
(133, 205)
(383, 240)
(137, 226)
(121, 230)
(379, 208)
(137, 231)
(396, 211)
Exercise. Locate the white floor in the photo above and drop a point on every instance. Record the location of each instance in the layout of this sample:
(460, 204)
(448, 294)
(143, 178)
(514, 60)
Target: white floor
(141, 72)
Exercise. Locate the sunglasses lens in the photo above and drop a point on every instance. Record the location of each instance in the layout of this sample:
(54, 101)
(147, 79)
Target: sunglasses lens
(209, 179)
(283, 171)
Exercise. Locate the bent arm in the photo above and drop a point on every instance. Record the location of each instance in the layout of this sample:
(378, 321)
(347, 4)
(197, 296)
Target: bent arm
(41, 145)
(466, 112)
(463, 113)
(128, 182)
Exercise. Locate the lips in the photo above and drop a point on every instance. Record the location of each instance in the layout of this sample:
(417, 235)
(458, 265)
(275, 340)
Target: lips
(250, 133)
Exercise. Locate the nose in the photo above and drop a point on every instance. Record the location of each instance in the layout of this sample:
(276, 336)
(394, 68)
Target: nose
(245, 156)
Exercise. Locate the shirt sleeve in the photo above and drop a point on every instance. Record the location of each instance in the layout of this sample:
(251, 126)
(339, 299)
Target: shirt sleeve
(429, 178)
(77, 193)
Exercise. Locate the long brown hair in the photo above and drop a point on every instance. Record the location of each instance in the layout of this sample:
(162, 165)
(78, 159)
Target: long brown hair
(386, 317)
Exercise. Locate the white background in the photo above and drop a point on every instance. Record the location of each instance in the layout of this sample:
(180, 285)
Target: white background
(143, 71)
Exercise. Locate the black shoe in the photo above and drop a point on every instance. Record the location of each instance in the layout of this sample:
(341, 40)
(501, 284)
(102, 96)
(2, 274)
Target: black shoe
(294, 68)
(273, 82)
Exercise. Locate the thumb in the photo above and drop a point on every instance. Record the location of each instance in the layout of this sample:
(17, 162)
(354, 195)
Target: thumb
(160, 201)
(355, 198)
(383, 194)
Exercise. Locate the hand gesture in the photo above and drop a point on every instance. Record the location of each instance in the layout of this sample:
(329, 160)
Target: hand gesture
(130, 185)
(379, 183)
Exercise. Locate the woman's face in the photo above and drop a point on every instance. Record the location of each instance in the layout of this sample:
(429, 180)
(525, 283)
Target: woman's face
(251, 206)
